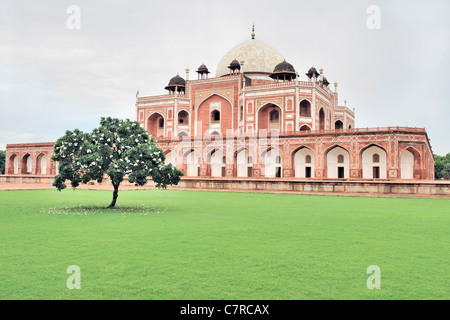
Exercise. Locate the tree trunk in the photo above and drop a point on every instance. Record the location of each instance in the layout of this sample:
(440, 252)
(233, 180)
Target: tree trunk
(115, 195)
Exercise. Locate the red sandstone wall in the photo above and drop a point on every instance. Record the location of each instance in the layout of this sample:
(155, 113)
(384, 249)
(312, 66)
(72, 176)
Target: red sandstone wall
(32, 150)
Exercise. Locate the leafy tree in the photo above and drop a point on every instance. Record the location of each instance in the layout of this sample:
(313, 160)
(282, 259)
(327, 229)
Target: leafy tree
(440, 163)
(116, 149)
(438, 166)
(2, 161)
(446, 171)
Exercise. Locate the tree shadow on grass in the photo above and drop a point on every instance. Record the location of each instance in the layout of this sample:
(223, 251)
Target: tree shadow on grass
(141, 209)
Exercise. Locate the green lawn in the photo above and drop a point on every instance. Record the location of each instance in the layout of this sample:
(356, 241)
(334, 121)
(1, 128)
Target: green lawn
(173, 244)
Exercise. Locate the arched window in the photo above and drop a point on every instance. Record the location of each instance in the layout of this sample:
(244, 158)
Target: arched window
(305, 128)
(241, 115)
(13, 164)
(308, 159)
(274, 116)
(215, 116)
(376, 158)
(155, 125)
(183, 117)
(338, 125)
(305, 109)
(27, 164)
(321, 120)
(340, 158)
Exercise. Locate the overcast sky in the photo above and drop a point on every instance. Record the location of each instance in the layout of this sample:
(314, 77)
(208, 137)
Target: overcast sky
(53, 78)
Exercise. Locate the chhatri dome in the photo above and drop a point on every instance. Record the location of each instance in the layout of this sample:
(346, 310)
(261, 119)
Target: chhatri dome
(258, 57)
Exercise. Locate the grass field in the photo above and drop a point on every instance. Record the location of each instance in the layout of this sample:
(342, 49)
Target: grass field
(177, 244)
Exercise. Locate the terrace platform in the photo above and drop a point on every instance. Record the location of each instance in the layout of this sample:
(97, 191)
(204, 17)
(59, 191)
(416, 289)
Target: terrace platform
(376, 187)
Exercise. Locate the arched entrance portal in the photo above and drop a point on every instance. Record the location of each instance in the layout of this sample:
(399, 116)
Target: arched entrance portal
(217, 162)
(244, 162)
(407, 165)
(338, 163)
(273, 163)
(27, 164)
(269, 118)
(373, 161)
(171, 158)
(155, 125)
(13, 164)
(192, 160)
(411, 164)
(304, 163)
(41, 164)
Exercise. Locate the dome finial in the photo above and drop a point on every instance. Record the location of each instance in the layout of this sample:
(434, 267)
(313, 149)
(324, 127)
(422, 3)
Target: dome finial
(253, 31)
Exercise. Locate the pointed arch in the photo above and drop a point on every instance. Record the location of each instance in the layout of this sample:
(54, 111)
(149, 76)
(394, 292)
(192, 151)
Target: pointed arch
(183, 117)
(338, 125)
(321, 119)
(372, 169)
(211, 95)
(243, 160)
(153, 124)
(410, 163)
(272, 160)
(13, 164)
(304, 127)
(216, 161)
(171, 157)
(337, 160)
(269, 117)
(27, 164)
(192, 160)
(303, 160)
(206, 109)
(215, 116)
(305, 108)
(41, 164)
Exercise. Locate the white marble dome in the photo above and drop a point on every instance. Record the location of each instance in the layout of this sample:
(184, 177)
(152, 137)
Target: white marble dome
(257, 57)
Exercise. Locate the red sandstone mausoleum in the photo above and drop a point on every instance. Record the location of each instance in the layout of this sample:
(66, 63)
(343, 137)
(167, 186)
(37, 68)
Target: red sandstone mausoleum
(258, 118)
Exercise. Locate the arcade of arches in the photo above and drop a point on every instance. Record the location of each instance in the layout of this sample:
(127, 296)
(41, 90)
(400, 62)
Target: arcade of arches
(307, 161)
(30, 159)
